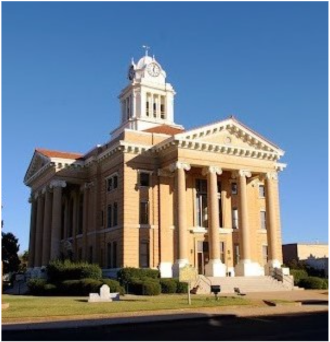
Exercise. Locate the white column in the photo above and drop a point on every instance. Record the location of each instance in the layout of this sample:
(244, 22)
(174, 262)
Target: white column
(272, 226)
(55, 249)
(214, 268)
(33, 202)
(181, 228)
(245, 267)
(47, 228)
(39, 230)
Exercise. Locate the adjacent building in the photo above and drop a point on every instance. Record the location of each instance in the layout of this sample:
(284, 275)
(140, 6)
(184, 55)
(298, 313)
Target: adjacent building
(157, 195)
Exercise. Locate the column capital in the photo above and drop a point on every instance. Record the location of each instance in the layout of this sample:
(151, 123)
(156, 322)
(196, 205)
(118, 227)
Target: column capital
(271, 176)
(57, 183)
(179, 166)
(241, 173)
(211, 169)
(86, 186)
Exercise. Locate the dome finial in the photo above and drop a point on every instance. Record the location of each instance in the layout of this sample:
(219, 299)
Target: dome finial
(146, 48)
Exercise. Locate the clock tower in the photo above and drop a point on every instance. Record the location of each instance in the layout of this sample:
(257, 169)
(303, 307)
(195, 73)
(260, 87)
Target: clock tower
(147, 101)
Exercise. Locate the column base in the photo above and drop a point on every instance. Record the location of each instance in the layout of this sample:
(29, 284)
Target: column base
(215, 268)
(271, 264)
(165, 269)
(248, 268)
(179, 263)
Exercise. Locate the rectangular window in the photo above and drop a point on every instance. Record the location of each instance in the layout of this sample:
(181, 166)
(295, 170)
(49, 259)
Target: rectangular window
(147, 108)
(235, 218)
(201, 203)
(114, 255)
(102, 218)
(234, 189)
(222, 252)
(155, 109)
(90, 256)
(144, 254)
(109, 218)
(144, 212)
(262, 192)
(115, 181)
(144, 179)
(263, 222)
(127, 108)
(236, 254)
(71, 218)
(115, 214)
(81, 214)
(109, 255)
(112, 182)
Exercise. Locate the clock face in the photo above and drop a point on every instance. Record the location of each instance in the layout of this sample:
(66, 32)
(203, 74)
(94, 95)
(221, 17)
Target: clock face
(131, 73)
(153, 69)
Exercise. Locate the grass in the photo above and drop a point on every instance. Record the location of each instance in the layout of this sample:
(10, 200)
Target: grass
(29, 308)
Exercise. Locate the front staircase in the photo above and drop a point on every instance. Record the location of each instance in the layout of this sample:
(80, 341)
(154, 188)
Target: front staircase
(245, 284)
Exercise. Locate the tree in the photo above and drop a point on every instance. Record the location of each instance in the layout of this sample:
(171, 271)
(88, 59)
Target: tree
(24, 258)
(10, 249)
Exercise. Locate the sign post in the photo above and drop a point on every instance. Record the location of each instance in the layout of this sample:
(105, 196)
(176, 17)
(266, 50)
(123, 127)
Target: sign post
(188, 274)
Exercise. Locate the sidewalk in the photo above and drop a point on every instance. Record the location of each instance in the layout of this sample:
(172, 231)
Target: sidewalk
(307, 301)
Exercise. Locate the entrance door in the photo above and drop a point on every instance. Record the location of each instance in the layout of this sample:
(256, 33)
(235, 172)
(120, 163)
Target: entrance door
(202, 255)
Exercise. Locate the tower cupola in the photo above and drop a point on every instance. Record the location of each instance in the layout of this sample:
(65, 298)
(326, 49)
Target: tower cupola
(147, 101)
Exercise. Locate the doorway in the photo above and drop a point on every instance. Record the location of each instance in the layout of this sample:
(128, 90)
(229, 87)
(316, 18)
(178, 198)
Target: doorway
(202, 255)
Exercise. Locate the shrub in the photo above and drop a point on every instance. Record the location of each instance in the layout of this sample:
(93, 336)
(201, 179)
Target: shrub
(168, 285)
(298, 275)
(149, 287)
(36, 286)
(114, 286)
(125, 275)
(67, 270)
(80, 287)
(39, 287)
(181, 287)
(313, 283)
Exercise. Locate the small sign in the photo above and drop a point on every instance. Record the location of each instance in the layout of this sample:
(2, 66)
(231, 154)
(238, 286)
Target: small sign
(188, 274)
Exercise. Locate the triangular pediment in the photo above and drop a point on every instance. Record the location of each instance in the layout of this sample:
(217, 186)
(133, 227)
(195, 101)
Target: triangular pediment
(38, 161)
(232, 134)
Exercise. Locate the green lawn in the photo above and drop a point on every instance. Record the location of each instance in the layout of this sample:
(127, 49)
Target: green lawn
(30, 307)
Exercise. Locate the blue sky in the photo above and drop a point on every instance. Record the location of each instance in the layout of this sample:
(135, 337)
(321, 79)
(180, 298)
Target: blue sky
(64, 64)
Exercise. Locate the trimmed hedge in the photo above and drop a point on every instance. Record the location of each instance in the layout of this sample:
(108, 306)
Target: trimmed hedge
(148, 287)
(298, 275)
(127, 274)
(314, 283)
(58, 271)
(168, 285)
(181, 287)
(78, 287)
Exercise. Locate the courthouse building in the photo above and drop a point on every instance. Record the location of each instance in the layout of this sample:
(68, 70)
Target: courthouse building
(159, 196)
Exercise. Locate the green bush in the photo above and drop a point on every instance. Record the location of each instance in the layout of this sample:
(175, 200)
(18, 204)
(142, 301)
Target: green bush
(149, 287)
(313, 283)
(80, 287)
(58, 271)
(114, 286)
(181, 287)
(168, 285)
(298, 275)
(39, 287)
(125, 275)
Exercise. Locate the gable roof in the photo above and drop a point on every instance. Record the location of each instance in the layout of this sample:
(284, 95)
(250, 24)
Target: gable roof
(59, 154)
(164, 129)
(43, 159)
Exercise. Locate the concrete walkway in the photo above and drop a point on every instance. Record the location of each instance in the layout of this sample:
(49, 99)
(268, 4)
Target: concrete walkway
(306, 301)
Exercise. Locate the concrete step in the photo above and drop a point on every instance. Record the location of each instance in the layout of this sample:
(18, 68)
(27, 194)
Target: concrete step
(245, 284)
